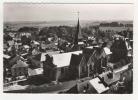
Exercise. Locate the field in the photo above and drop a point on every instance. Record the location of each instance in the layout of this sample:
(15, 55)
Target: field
(83, 23)
(115, 28)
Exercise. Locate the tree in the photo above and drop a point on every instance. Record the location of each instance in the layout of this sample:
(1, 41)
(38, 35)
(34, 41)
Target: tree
(25, 40)
(28, 29)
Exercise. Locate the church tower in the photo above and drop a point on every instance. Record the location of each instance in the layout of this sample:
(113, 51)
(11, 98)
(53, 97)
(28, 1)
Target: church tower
(78, 35)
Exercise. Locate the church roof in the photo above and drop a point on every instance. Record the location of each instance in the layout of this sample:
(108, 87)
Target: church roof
(78, 35)
(63, 59)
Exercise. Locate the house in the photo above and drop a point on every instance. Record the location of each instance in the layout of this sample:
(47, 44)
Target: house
(50, 39)
(91, 38)
(50, 53)
(12, 34)
(6, 56)
(89, 63)
(57, 66)
(119, 50)
(10, 42)
(97, 86)
(35, 61)
(26, 47)
(92, 86)
(77, 66)
(26, 40)
(35, 76)
(19, 69)
(129, 47)
(35, 72)
(43, 46)
(17, 45)
(13, 60)
(88, 50)
(109, 77)
(119, 64)
(25, 55)
(106, 56)
(6, 65)
(34, 43)
(5, 46)
(50, 46)
(35, 51)
(61, 61)
(25, 34)
(128, 75)
(102, 83)
(107, 51)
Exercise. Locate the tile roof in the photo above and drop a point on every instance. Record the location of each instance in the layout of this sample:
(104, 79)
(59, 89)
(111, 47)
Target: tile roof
(20, 64)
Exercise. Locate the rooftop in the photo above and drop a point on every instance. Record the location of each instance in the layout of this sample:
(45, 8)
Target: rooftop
(64, 59)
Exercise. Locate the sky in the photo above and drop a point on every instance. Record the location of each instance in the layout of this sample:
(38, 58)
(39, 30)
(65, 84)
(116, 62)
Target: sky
(58, 12)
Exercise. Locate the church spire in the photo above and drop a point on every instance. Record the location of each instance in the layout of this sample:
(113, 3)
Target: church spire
(78, 35)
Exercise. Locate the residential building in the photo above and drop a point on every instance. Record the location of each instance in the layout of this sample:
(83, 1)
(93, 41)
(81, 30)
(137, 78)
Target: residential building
(20, 69)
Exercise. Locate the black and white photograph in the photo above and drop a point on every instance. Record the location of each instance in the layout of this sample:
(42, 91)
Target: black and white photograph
(66, 48)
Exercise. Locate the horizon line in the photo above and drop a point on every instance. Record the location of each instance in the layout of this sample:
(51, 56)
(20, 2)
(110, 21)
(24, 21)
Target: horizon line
(67, 3)
(70, 20)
